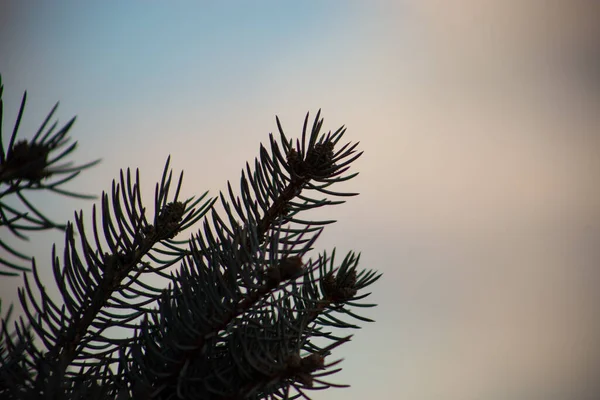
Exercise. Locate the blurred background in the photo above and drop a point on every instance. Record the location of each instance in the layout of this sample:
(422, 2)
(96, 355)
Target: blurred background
(480, 122)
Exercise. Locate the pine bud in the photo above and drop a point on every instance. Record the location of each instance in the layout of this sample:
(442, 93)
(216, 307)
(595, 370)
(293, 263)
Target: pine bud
(291, 267)
(293, 362)
(273, 276)
(313, 362)
(295, 162)
(288, 268)
(320, 158)
(27, 161)
(167, 223)
(305, 379)
(340, 288)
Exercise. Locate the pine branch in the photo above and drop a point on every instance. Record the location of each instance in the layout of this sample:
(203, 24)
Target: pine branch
(241, 277)
(31, 165)
(95, 283)
(243, 317)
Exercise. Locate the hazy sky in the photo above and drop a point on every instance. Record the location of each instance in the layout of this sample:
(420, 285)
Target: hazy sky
(479, 184)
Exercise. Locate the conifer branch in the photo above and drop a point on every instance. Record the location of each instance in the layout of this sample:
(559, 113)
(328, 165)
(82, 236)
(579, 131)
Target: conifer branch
(248, 313)
(31, 165)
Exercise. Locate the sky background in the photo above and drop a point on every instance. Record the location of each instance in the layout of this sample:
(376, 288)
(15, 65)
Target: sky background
(479, 187)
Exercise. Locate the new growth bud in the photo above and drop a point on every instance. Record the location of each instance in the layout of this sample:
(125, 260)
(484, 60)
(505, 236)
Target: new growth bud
(317, 163)
(167, 224)
(301, 368)
(288, 268)
(340, 288)
(26, 161)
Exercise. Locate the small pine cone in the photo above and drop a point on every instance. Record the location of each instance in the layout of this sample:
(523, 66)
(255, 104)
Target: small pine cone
(112, 262)
(288, 268)
(327, 153)
(349, 279)
(273, 276)
(346, 293)
(148, 230)
(172, 212)
(340, 288)
(313, 362)
(172, 229)
(167, 225)
(293, 362)
(320, 157)
(29, 161)
(328, 284)
(291, 267)
(292, 156)
(295, 162)
(305, 379)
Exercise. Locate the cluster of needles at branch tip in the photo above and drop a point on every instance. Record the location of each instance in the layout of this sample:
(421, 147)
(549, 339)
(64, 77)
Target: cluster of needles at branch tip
(27, 165)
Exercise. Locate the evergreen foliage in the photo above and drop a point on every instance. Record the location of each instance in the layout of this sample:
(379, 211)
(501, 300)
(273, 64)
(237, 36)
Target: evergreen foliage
(248, 311)
(32, 165)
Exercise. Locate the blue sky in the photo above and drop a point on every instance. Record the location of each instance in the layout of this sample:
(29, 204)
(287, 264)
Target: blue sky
(479, 197)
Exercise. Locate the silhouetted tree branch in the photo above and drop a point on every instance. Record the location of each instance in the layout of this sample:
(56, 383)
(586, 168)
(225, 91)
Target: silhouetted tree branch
(32, 165)
(248, 311)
